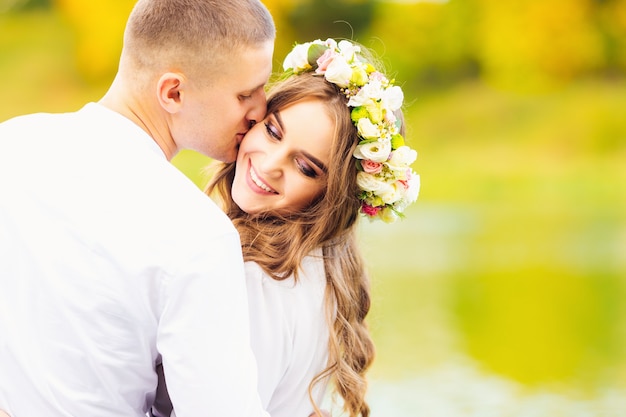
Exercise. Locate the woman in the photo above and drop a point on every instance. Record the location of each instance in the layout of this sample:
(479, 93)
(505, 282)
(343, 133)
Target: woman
(329, 149)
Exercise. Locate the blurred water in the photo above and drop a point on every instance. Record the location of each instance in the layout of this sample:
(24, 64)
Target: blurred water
(459, 389)
(533, 312)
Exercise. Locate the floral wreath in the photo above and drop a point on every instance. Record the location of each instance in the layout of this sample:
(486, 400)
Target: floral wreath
(387, 183)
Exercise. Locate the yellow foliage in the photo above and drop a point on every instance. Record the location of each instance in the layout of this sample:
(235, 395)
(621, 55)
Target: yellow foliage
(537, 44)
(285, 36)
(99, 30)
(613, 19)
(408, 32)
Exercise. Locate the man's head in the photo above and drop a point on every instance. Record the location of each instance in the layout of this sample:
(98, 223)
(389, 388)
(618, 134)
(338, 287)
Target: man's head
(202, 66)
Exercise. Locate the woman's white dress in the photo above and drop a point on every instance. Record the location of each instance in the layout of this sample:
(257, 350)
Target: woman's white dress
(289, 336)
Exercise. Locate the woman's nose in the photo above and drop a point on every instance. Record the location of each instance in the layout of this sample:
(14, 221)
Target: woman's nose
(272, 164)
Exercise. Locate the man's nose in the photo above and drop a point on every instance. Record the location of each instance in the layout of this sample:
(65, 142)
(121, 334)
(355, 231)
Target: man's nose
(259, 107)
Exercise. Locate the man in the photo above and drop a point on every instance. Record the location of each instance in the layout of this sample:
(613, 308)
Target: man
(111, 260)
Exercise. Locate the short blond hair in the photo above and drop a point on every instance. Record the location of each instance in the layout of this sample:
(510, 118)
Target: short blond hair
(193, 34)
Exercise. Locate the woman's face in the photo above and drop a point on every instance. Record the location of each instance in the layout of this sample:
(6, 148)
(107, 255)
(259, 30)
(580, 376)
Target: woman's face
(282, 161)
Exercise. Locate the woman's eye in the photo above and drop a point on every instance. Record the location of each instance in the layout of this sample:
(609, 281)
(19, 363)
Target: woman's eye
(306, 169)
(272, 131)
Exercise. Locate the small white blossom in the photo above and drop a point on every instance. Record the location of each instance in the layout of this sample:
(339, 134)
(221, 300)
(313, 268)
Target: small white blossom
(348, 49)
(372, 91)
(330, 43)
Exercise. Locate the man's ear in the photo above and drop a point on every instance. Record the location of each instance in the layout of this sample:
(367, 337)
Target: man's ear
(170, 91)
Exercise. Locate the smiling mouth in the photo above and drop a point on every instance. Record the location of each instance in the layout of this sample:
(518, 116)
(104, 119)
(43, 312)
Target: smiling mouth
(260, 183)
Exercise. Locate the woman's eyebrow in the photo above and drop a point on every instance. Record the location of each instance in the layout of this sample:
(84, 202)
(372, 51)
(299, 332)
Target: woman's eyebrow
(316, 161)
(280, 121)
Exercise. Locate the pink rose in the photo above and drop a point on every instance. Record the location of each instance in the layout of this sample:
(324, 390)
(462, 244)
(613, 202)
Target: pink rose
(404, 183)
(369, 210)
(371, 167)
(324, 61)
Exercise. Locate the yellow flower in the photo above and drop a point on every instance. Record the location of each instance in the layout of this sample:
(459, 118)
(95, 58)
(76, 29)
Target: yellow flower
(388, 215)
(375, 111)
(359, 76)
(359, 113)
(367, 129)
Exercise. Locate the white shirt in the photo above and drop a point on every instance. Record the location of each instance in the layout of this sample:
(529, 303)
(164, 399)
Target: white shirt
(109, 259)
(289, 336)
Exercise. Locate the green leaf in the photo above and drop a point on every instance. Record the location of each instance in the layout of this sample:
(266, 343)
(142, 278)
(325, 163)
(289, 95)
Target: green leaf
(315, 51)
(396, 141)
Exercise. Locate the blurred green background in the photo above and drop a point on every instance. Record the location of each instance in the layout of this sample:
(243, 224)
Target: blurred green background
(501, 293)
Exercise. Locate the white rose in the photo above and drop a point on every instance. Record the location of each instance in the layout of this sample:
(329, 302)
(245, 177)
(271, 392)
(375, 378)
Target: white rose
(410, 195)
(414, 188)
(403, 156)
(339, 72)
(377, 151)
(298, 58)
(392, 98)
(367, 129)
(392, 194)
(369, 182)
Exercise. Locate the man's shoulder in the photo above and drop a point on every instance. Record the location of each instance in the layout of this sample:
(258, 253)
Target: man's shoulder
(33, 120)
(194, 212)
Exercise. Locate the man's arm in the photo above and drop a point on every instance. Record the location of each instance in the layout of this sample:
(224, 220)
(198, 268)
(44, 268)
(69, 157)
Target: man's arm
(203, 334)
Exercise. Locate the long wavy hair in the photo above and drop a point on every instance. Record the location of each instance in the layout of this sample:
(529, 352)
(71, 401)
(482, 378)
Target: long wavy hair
(328, 222)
